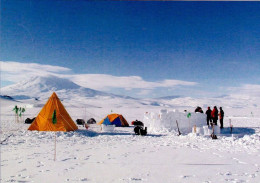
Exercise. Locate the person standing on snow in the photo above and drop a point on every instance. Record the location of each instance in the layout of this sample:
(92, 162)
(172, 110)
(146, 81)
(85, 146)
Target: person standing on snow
(221, 117)
(214, 115)
(208, 113)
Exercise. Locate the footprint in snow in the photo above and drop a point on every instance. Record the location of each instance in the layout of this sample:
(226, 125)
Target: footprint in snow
(252, 175)
(218, 155)
(186, 176)
(84, 179)
(241, 162)
(136, 179)
(228, 173)
(23, 170)
(66, 159)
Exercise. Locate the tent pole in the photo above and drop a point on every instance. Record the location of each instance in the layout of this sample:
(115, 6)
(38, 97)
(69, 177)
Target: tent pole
(54, 146)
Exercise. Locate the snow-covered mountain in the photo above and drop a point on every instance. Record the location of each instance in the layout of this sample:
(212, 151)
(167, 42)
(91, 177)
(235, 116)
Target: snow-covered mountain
(38, 89)
(169, 97)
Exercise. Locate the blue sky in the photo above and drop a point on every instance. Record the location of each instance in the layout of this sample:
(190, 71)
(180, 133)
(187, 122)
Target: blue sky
(213, 44)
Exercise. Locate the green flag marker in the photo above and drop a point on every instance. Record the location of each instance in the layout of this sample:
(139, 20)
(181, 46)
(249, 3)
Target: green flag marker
(189, 115)
(54, 119)
(16, 109)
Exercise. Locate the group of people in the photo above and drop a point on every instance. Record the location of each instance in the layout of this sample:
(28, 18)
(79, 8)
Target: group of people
(214, 115)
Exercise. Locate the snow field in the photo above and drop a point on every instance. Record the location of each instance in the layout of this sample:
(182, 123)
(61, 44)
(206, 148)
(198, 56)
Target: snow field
(120, 156)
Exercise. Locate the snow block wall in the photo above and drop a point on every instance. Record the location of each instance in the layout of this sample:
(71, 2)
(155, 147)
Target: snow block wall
(165, 121)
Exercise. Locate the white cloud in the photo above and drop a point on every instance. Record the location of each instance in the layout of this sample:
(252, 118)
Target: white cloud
(246, 90)
(144, 92)
(103, 81)
(15, 71)
(19, 67)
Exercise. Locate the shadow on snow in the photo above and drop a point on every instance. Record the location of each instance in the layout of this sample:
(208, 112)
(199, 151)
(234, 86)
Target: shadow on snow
(90, 133)
(238, 131)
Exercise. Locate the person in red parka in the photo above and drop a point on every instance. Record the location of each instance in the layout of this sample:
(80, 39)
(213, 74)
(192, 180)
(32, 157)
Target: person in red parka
(214, 115)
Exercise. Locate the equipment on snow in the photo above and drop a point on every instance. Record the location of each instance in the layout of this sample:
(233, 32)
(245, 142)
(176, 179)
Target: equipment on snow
(213, 135)
(231, 126)
(140, 131)
(80, 121)
(29, 121)
(91, 121)
(178, 128)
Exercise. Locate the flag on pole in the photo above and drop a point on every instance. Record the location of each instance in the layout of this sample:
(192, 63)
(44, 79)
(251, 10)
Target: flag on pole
(54, 118)
(189, 115)
(16, 109)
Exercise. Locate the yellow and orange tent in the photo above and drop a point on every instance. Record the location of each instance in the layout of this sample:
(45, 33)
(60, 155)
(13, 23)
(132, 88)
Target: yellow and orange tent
(114, 119)
(53, 117)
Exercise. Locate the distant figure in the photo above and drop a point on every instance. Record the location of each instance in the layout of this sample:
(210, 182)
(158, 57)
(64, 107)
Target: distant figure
(221, 117)
(208, 113)
(137, 123)
(199, 109)
(214, 115)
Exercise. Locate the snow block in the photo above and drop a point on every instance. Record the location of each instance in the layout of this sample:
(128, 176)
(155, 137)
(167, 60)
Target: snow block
(206, 130)
(107, 128)
(165, 121)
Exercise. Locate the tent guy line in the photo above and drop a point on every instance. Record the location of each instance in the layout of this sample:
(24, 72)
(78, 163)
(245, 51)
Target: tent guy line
(7, 138)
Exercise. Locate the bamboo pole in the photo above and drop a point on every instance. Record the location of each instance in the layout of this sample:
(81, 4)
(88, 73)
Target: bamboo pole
(54, 146)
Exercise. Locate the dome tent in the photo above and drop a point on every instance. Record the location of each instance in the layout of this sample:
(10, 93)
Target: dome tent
(114, 119)
(91, 121)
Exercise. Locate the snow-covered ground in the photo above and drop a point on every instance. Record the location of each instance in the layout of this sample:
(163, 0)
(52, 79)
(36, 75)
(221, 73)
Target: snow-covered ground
(120, 156)
(95, 156)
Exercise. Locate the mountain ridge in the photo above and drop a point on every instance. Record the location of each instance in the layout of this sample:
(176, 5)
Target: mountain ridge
(38, 86)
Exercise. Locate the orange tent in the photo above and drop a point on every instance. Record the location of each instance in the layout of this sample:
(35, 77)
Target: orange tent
(45, 122)
(114, 119)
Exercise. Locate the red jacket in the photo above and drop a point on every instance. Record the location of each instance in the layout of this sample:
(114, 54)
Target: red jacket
(213, 113)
